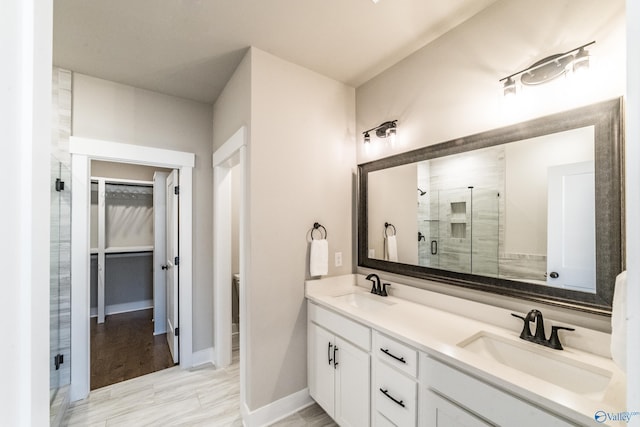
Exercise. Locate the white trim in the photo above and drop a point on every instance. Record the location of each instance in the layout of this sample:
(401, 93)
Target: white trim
(275, 411)
(127, 153)
(102, 242)
(124, 307)
(80, 276)
(83, 150)
(233, 150)
(159, 252)
(202, 357)
(230, 147)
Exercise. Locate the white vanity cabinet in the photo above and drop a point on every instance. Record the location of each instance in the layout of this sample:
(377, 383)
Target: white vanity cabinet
(395, 387)
(451, 398)
(339, 366)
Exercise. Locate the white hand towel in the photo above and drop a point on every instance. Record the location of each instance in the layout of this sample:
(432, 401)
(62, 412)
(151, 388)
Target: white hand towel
(319, 257)
(619, 322)
(392, 248)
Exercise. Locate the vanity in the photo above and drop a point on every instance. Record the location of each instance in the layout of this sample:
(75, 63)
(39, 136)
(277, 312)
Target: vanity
(389, 361)
(529, 215)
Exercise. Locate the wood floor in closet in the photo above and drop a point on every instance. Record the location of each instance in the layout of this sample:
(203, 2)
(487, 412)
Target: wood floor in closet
(124, 347)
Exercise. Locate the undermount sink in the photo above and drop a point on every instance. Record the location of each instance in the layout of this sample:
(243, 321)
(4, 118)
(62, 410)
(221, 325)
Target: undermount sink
(364, 301)
(543, 363)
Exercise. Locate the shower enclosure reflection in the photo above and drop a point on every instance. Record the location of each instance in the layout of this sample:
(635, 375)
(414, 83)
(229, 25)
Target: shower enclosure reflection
(460, 230)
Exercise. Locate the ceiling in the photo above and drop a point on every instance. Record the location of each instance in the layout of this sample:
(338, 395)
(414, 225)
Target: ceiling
(190, 48)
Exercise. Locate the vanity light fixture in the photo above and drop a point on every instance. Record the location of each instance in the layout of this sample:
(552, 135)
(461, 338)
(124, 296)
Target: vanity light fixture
(548, 69)
(386, 129)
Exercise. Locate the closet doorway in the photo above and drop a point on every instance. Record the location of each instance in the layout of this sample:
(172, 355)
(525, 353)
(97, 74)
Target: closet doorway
(83, 152)
(133, 277)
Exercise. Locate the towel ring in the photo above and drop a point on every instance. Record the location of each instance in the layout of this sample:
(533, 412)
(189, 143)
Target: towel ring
(318, 226)
(386, 227)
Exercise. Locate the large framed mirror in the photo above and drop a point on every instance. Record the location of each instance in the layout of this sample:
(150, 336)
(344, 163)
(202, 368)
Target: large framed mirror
(532, 210)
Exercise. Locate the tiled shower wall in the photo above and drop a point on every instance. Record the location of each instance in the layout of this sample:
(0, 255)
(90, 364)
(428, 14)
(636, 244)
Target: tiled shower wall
(446, 181)
(60, 245)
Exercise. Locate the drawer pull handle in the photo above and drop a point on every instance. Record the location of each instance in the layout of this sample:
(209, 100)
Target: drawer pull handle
(386, 393)
(335, 359)
(329, 353)
(388, 353)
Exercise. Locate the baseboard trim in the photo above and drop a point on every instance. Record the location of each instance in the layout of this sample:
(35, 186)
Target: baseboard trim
(201, 357)
(275, 411)
(123, 308)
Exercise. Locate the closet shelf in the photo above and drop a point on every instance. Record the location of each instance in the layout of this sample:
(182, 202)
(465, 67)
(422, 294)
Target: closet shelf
(125, 249)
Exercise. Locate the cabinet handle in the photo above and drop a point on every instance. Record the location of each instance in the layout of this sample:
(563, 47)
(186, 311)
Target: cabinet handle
(329, 353)
(386, 393)
(335, 359)
(388, 353)
(434, 247)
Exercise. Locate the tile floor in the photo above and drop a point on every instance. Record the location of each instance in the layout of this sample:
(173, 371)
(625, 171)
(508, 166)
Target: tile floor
(203, 396)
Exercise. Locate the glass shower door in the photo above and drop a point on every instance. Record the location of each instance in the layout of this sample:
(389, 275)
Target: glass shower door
(485, 220)
(60, 279)
(54, 280)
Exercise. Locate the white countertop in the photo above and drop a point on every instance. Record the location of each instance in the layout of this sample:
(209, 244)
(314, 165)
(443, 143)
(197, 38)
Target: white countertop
(437, 333)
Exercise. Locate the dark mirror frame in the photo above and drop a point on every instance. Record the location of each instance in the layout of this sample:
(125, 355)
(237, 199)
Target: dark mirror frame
(606, 117)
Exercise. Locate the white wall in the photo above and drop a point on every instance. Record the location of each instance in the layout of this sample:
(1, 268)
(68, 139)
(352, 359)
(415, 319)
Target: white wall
(115, 112)
(25, 107)
(124, 170)
(301, 158)
(632, 153)
(395, 188)
(526, 165)
(450, 89)
(232, 109)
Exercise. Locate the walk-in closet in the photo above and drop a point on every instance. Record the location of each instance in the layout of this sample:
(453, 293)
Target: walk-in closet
(127, 289)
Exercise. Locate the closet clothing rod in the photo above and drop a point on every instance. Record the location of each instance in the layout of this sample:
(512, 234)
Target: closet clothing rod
(122, 181)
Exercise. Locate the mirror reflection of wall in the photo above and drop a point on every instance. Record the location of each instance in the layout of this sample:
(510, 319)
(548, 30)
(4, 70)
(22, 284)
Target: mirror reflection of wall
(394, 201)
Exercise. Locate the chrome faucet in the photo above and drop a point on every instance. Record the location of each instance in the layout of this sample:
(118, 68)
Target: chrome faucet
(540, 336)
(376, 288)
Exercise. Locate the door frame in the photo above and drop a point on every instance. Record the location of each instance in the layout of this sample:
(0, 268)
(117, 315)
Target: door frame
(83, 150)
(233, 153)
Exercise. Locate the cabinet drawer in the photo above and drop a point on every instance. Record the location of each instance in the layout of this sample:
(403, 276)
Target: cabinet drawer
(488, 402)
(395, 395)
(439, 412)
(382, 421)
(397, 354)
(352, 331)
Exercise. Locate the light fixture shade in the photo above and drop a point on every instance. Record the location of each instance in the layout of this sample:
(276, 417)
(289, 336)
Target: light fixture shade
(367, 138)
(391, 129)
(581, 61)
(509, 87)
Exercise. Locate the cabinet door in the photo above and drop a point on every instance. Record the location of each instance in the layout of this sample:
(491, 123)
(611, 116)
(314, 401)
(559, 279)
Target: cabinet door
(352, 385)
(439, 412)
(321, 369)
